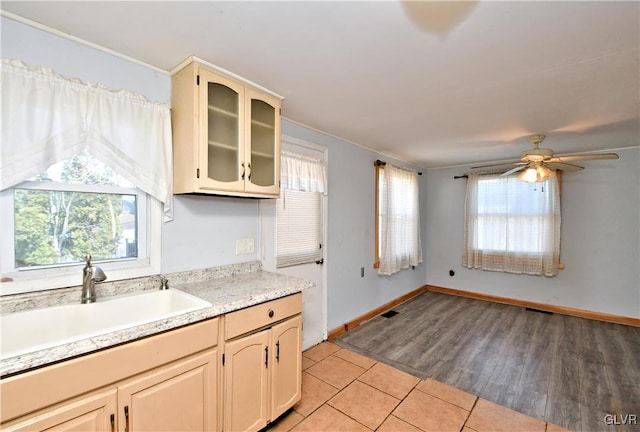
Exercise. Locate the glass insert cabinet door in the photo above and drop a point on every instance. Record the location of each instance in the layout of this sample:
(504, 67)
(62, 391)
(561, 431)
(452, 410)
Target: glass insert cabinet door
(221, 132)
(240, 137)
(263, 151)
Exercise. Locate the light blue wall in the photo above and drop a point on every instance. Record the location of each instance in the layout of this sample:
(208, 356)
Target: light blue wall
(600, 243)
(351, 231)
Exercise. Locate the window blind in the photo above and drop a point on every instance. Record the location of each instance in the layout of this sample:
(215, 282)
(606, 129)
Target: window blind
(299, 230)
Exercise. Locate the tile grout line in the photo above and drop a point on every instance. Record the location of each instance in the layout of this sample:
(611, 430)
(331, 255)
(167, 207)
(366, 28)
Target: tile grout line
(401, 400)
(470, 411)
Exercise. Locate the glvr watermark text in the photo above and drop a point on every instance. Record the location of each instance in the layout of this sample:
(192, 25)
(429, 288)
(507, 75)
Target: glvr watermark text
(621, 419)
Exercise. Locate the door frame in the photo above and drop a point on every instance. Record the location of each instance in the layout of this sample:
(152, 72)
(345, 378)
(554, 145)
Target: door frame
(269, 264)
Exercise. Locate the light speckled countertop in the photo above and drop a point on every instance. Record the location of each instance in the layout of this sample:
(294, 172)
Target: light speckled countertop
(227, 288)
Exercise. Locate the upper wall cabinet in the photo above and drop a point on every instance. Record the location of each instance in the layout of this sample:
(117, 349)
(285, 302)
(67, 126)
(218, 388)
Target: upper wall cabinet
(226, 134)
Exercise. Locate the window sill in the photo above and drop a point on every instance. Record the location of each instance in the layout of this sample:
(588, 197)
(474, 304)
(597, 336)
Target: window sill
(53, 278)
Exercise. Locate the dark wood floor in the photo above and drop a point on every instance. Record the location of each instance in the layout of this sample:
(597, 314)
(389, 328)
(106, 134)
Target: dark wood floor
(565, 370)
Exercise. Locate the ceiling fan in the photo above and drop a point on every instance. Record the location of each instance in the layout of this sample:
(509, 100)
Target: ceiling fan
(537, 164)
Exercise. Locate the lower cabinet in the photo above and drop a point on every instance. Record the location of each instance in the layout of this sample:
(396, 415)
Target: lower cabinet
(286, 373)
(168, 382)
(262, 369)
(180, 397)
(171, 381)
(95, 412)
(246, 378)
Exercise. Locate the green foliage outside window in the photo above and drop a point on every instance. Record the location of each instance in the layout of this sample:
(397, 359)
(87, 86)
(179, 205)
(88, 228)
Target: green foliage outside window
(53, 226)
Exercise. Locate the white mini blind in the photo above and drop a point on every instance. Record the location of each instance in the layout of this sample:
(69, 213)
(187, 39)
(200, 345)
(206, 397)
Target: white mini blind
(299, 228)
(299, 209)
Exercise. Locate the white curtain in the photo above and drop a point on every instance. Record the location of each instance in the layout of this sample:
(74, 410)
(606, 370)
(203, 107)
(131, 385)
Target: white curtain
(302, 173)
(400, 245)
(47, 118)
(512, 226)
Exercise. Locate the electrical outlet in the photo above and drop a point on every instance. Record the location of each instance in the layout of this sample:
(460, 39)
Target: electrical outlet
(239, 247)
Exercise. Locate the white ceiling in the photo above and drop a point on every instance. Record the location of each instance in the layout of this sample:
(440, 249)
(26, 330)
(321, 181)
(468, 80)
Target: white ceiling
(437, 84)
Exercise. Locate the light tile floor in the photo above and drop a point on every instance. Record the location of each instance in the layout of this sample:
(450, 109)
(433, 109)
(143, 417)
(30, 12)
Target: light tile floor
(345, 391)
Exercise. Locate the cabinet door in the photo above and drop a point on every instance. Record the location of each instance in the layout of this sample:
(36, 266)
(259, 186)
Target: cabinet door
(263, 143)
(178, 397)
(222, 119)
(286, 373)
(88, 413)
(246, 377)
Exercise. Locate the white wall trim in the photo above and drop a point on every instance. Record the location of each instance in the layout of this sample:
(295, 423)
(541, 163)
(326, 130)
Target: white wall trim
(78, 40)
(354, 143)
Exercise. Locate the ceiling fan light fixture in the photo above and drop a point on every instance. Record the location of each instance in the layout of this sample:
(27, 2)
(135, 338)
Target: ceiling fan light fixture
(535, 174)
(529, 175)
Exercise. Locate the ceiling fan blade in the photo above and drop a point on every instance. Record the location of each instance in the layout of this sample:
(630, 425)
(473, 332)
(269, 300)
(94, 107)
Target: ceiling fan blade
(514, 170)
(563, 166)
(499, 164)
(570, 158)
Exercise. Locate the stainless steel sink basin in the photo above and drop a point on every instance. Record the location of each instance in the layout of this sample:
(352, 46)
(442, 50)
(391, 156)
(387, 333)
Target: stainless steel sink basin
(37, 329)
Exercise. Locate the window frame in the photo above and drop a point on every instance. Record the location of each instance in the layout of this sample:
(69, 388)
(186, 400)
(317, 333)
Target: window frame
(379, 170)
(379, 166)
(561, 265)
(25, 280)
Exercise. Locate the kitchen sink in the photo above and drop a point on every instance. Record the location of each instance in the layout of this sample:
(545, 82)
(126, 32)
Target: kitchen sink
(37, 329)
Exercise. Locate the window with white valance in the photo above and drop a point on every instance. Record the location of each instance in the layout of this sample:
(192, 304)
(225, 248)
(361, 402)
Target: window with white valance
(83, 169)
(302, 173)
(512, 226)
(47, 118)
(398, 219)
(299, 209)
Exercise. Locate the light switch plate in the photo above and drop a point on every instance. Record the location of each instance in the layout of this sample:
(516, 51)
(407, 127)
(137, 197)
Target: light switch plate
(245, 246)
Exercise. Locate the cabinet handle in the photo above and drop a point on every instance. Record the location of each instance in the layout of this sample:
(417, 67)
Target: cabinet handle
(126, 418)
(113, 422)
(278, 351)
(242, 175)
(266, 357)
(249, 167)
(271, 313)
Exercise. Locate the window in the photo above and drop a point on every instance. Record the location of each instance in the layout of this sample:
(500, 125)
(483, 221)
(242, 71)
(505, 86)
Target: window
(398, 243)
(57, 203)
(76, 207)
(299, 228)
(512, 226)
(299, 209)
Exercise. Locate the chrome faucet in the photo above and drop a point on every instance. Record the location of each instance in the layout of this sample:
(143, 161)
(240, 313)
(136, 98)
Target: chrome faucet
(90, 275)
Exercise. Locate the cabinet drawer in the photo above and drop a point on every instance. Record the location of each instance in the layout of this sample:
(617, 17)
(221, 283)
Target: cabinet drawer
(261, 315)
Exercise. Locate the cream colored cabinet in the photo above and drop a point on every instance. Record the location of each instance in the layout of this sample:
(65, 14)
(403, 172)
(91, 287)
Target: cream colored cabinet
(95, 412)
(226, 134)
(286, 373)
(263, 363)
(167, 382)
(246, 377)
(179, 397)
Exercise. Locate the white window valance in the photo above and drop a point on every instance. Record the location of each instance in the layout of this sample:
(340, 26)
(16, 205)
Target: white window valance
(47, 118)
(302, 173)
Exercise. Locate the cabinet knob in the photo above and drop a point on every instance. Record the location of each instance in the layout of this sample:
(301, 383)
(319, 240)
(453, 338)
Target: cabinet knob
(271, 313)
